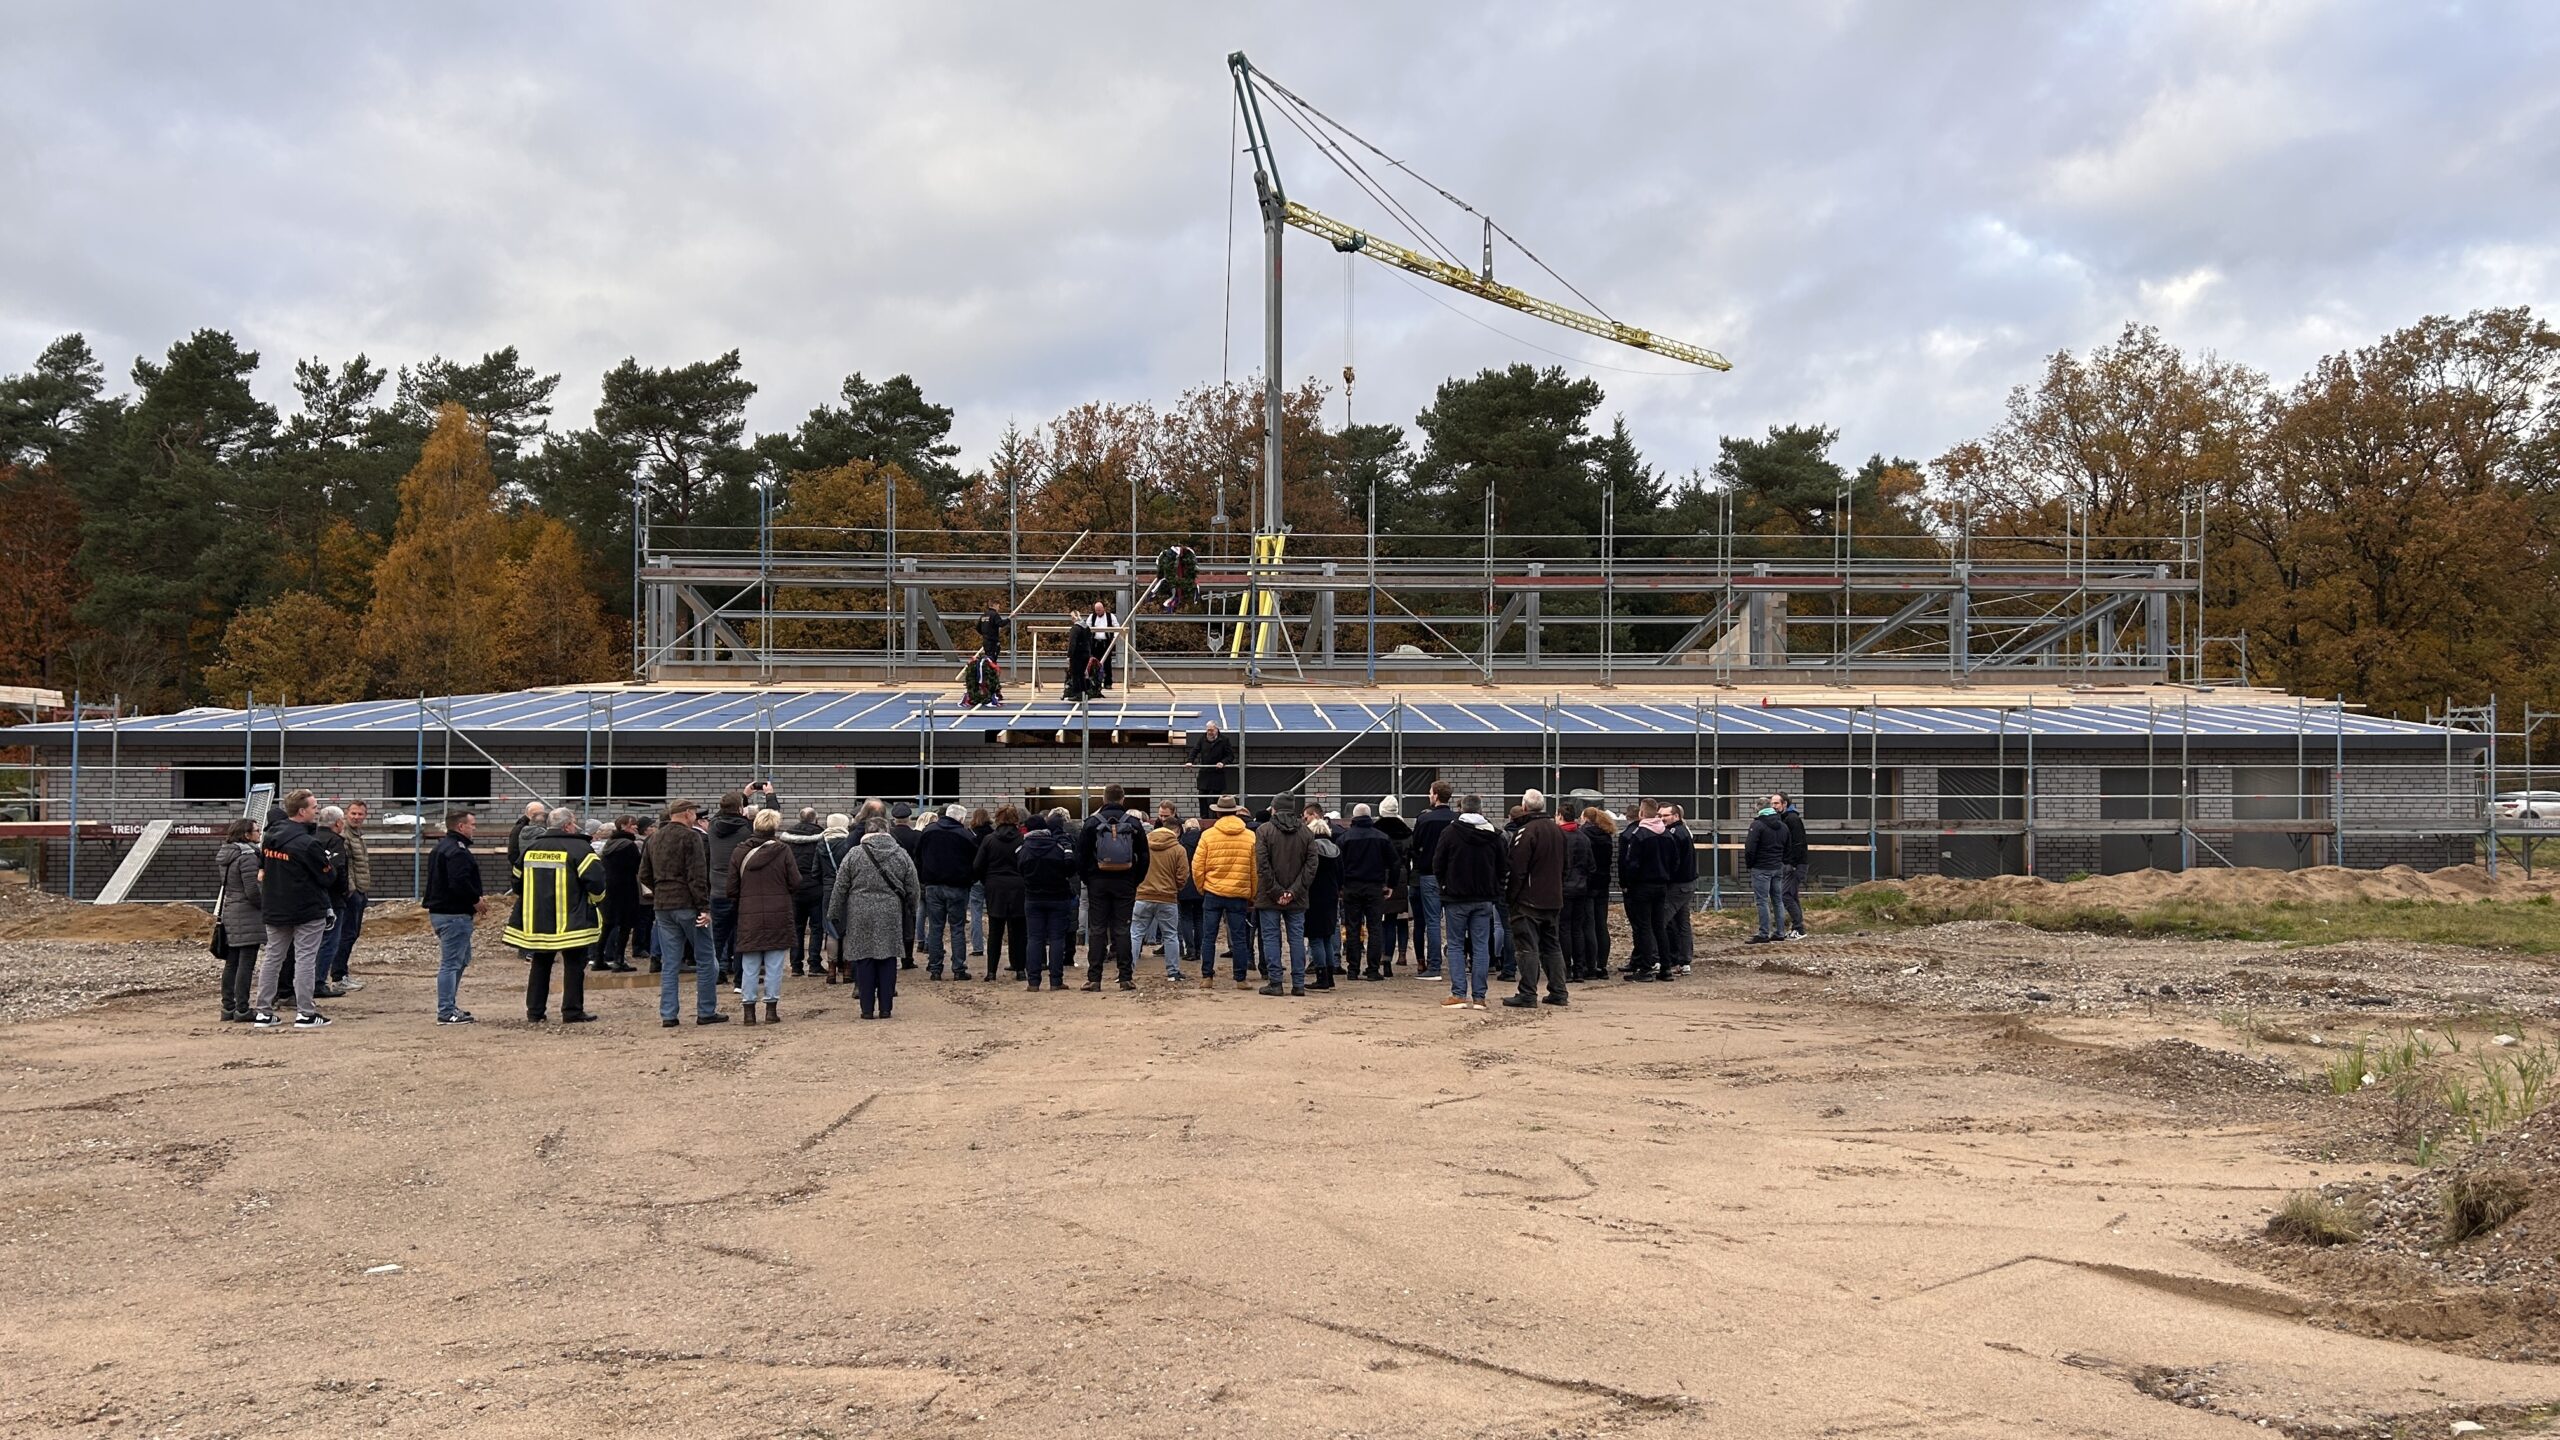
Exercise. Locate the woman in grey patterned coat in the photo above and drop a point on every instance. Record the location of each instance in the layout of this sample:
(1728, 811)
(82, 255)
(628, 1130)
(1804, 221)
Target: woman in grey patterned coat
(876, 889)
(236, 908)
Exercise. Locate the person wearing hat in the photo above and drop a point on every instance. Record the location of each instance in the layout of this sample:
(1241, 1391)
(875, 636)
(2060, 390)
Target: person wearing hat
(901, 828)
(1395, 916)
(1222, 866)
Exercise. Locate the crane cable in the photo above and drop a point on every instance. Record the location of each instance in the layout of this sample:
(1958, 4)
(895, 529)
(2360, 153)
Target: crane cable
(1369, 185)
(1227, 329)
(1489, 221)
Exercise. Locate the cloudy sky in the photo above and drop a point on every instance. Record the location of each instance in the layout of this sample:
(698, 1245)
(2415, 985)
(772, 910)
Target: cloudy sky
(1886, 213)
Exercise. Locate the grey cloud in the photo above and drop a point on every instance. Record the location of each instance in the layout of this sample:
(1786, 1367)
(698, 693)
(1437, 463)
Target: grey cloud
(1887, 214)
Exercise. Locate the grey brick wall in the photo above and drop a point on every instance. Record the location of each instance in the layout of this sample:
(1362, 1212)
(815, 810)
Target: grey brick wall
(2400, 807)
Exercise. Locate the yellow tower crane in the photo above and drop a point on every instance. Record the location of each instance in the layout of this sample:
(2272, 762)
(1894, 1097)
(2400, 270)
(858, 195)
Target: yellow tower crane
(1279, 212)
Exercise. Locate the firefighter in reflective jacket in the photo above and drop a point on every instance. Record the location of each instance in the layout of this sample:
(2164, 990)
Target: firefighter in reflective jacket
(558, 915)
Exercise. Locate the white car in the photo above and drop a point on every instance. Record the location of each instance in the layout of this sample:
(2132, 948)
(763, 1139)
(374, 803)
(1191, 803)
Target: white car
(2527, 805)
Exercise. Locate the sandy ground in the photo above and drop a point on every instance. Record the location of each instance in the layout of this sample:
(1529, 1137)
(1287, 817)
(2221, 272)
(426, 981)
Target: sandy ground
(1751, 1204)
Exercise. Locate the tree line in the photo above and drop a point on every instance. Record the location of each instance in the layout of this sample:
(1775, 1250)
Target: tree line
(2380, 528)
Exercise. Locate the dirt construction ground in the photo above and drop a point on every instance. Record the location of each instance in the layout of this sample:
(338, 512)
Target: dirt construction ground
(1890, 1195)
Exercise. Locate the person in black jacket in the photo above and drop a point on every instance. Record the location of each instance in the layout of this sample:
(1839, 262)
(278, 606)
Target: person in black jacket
(1679, 905)
(997, 871)
(1764, 854)
(1644, 870)
(453, 903)
(1372, 870)
(620, 852)
(945, 852)
(1473, 860)
(807, 839)
(1048, 868)
(991, 628)
(1576, 919)
(1111, 855)
(1211, 754)
(1799, 865)
(298, 889)
(1427, 898)
(1602, 828)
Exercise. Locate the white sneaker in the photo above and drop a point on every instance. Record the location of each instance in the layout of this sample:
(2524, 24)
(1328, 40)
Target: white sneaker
(1795, 934)
(351, 984)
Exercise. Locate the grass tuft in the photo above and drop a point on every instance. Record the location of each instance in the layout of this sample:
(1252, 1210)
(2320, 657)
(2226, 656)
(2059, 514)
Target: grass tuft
(2311, 1218)
(2476, 1204)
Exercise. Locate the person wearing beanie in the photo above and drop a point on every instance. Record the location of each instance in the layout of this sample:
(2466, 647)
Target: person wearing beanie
(1396, 915)
(1372, 871)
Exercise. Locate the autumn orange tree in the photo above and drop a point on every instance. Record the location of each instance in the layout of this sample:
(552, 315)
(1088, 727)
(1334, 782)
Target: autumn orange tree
(40, 583)
(2394, 541)
(297, 649)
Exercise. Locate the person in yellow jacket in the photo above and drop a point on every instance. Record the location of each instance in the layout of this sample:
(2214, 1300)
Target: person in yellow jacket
(1222, 871)
(558, 915)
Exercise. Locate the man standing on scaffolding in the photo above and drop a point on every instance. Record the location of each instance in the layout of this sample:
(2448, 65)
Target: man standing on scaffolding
(1081, 666)
(1106, 638)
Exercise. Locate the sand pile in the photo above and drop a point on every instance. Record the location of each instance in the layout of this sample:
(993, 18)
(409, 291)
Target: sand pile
(2325, 884)
(29, 914)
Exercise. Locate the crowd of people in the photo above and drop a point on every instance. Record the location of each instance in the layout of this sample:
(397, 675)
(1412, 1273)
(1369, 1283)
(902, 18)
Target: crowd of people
(1301, 899)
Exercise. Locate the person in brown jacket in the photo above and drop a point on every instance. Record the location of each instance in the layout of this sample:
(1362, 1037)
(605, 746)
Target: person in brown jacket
(1537, 903)
(763, 876)
(1155, 917)
(675, 868)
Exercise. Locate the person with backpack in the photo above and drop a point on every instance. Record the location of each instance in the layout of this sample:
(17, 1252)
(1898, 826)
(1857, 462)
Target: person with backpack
(1048, 867)
(1113, 855)
(875, 891)
(997, 871)
(945, 853)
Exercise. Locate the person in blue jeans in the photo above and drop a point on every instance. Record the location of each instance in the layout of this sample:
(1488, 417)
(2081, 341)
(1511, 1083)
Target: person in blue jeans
(1427, 895)
(452, 902)
(1284, 875)
(1474, 864)
(1470, 952)
(675, 866)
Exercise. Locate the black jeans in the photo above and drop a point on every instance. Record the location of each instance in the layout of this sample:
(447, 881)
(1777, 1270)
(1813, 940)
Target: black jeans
(808, 931)
(1187, 920)
(537, 981)
(1364, 932)
(1644, 925)
(1597, 917)
(1107, 912)
(1000, 928)
(1537, 942)
(239, 967)
(1576, 922)
(875, 986)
